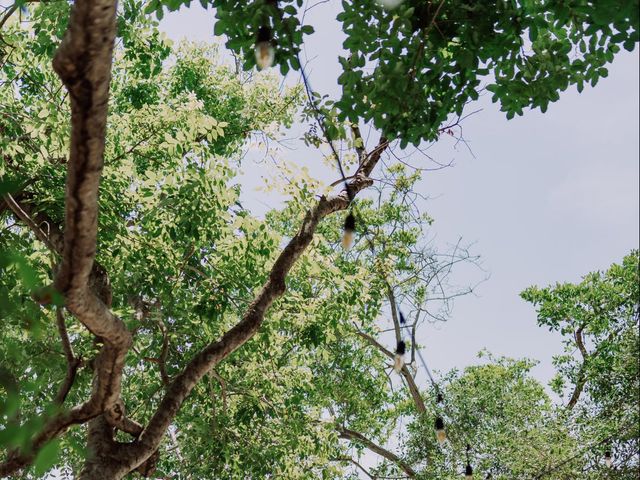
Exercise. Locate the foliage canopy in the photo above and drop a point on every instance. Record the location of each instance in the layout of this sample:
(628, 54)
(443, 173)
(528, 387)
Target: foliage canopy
(190, 338)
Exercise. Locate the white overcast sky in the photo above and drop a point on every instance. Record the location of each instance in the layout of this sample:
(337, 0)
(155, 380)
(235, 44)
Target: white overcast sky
(545, 197)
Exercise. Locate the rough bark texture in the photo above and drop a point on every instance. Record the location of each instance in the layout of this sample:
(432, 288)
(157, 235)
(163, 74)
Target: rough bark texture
(83, 63)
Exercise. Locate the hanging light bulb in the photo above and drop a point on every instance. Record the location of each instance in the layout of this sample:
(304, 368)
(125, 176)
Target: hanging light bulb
(265, 53)
(608, 461)
(389, 4)
(349, 231)
(441, 435)
(402, 319)
(398, 359)
(468, 472)
(439, 398)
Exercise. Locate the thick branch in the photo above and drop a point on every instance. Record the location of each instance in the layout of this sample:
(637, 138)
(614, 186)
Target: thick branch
(217, 351)
(72, 362)
(83, 63)
(582, 377)
(383, 452)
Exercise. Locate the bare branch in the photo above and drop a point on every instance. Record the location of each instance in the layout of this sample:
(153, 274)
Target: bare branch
(383, 452)
(8, 14)
(356, 463)
(19, 212)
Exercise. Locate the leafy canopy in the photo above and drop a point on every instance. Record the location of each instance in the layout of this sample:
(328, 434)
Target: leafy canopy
(440, 55)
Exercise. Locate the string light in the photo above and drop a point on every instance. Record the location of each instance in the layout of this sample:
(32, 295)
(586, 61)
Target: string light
(441, 435)
(265, 53)
(468, 471)
(398, 360)
(389, 4)
(349, 231)
(265, 56)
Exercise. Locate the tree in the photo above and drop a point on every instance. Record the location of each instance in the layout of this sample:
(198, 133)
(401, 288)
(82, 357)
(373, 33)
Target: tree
(506, 418)
(599, 319)
(152, 295)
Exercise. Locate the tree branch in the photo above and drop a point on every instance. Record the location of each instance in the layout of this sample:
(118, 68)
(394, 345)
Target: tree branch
(582, 377)
(411, 383)
(8, 14)
(356, 463)
(233, 339)
(72, 362)
(19, 212)
(383, 452)
(394, 311)
(83, 63)
(54, 239)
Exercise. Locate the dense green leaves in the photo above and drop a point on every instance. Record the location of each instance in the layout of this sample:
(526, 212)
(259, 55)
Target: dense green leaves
(599, 319)
(408, 69)
(185, 259)
(504, 415)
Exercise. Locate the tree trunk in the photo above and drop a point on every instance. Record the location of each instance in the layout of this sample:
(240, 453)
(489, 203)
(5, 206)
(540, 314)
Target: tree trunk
(101, 463)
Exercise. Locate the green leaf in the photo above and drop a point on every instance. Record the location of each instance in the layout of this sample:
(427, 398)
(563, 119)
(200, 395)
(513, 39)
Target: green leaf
(46, 457)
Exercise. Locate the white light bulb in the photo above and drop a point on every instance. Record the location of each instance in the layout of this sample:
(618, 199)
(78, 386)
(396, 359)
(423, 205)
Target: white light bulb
(389, 4)
(265, 54)
(398, 362)
(468, 472)
(441, 435)
(608, 461)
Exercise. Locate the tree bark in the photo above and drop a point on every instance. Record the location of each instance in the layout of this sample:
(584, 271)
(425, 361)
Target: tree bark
(582, 378)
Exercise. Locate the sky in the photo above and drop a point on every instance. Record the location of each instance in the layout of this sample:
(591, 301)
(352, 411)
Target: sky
(544, 198)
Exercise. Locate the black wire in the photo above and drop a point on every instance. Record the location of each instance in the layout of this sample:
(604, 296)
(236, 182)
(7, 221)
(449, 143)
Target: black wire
(319, 115)
(320, 120)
